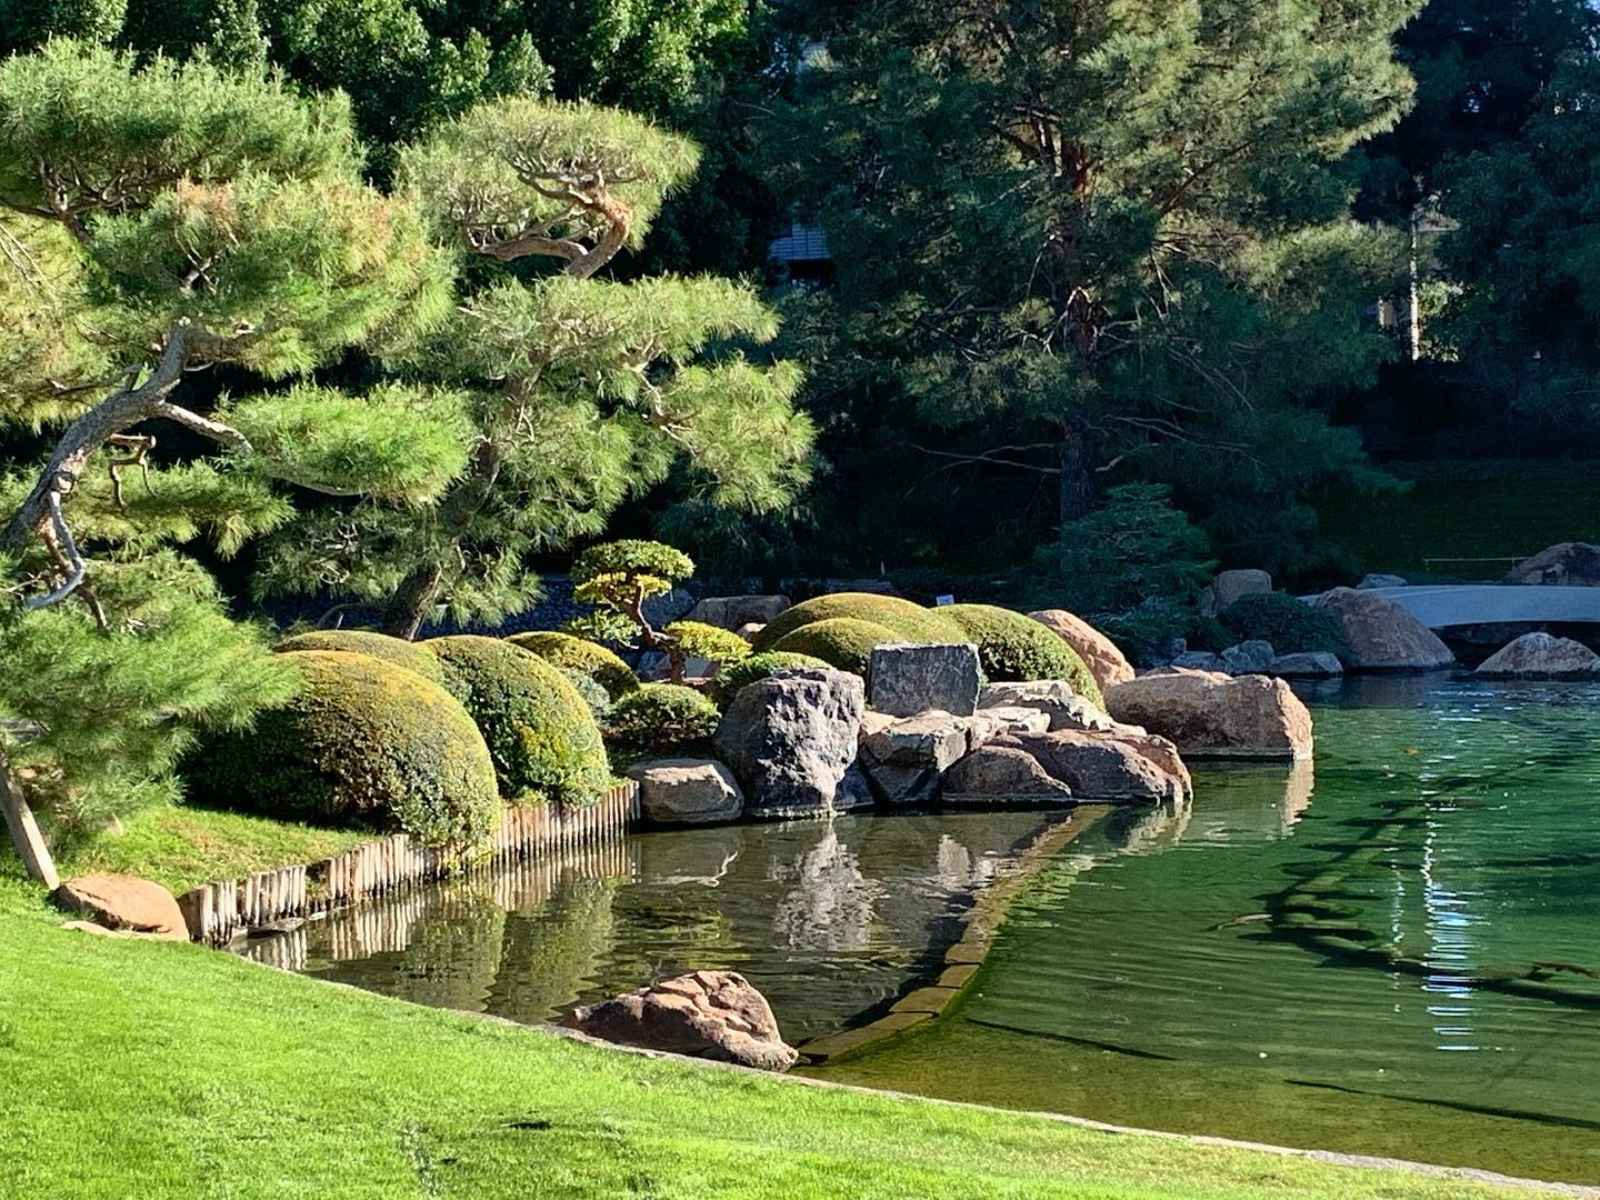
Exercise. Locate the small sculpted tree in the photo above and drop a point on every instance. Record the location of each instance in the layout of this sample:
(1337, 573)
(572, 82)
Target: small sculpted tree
(584, 390)
(620, 578)
(158, 222)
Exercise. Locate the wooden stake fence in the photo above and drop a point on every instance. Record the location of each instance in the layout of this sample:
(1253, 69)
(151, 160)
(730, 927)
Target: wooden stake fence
(218, 912)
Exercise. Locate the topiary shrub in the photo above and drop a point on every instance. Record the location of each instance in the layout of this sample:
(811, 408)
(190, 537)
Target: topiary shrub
(544, 742)
(364, 743)
(1291, 625)
(660, 720)
(842, 642)
(695, 639)
(593, 659)
(907, 621)
(395, 651)
(1015, 647)
(731, 679)
(593, 694)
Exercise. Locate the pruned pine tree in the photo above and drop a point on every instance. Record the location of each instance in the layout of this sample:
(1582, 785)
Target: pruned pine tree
(1077, 233)
(584, 390)
(160, 221)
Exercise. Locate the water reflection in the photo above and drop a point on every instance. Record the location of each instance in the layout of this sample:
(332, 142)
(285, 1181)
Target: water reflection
(828, 919)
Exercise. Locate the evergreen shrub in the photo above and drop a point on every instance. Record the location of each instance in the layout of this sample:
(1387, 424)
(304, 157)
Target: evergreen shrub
(593, 659)
(731, 679)
(395, 651)
(907, 621)
(1013, 646)
(661, 720)
(843, 642)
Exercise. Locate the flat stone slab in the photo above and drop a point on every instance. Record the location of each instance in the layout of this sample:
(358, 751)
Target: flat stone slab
(931, 1000)
(904, 679)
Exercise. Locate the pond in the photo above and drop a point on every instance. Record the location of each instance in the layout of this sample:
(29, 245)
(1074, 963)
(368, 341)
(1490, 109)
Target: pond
(1394, 953)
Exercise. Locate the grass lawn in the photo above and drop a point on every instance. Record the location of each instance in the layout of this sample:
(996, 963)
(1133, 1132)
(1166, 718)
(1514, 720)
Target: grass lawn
(136, 1069)
(183, 847)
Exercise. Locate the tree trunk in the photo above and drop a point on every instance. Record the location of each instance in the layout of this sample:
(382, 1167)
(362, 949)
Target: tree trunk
(408, 607)
(1077, 491)
(25, 835)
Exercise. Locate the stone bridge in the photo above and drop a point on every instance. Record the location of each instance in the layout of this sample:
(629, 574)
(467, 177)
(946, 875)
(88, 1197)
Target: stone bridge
(1449, 605)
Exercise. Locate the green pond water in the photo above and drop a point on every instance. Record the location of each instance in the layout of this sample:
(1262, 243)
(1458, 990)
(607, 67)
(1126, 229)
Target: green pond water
(1390, 953)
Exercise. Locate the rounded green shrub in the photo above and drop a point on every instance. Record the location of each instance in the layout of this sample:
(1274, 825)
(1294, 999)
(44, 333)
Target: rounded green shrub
(661, 719)
(593, 659)
(732, 678)
(696, 639)
(1013, 647)
(395, 651)
(842, 642)
(1290, 624)
(544, 742)
(907, 621)
(363, 743)
(593, 694)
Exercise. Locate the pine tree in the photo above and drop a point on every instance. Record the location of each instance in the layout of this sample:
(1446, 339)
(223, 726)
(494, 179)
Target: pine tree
(584, 390)
(158, 222)
(1082, 235)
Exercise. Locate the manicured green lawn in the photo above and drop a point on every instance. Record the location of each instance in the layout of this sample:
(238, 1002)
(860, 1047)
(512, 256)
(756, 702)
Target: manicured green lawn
(183, 847)
(135, 1069)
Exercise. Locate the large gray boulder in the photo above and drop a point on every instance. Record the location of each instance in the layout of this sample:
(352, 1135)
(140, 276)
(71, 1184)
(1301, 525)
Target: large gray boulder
(1229, 586)
(905, 758)
(1106, 663)
(1568, 564)
(1382, 635)
(1541, 656)
(905, 679)
(1318, 664)
(1248, 658)
(1210, 715)
(706, 1014)
(1054, 698)
(687, 791)
(790, 738)
(733, 612)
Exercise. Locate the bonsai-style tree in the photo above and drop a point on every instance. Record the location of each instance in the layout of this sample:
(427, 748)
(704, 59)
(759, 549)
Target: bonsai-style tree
(158, 222)
(619, 578)
(584, 390)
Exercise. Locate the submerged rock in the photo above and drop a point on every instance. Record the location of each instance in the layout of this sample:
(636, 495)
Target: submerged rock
(717, 1015)
(1541, 656)
(124, 903)
(1106, 663)
(905, 679)
(687, 791)
(790, 738)
(1208, 714)
(1382, 635)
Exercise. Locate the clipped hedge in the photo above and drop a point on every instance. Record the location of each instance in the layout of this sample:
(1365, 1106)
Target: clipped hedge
(593, 659)
(908, 622)
(842, 642)
(365, 743)
(1013, 647)
(1290, 624)
(543, 740)
(660, 720)
(728, 681)
(395, 651)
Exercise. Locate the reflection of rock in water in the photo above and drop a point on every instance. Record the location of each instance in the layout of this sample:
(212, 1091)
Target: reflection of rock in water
(690, 856)
(1144, 830)
(1297, 789)
(830, 906)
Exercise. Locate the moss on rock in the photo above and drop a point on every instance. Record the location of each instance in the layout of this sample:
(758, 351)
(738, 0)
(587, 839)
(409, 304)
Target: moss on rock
(542, 738)
(1015, 648)
(580, 654)
(395, 651)
(364, 743)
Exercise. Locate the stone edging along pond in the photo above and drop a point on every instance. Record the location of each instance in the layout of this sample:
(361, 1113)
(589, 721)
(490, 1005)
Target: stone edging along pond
(218, 912)
(926, 999)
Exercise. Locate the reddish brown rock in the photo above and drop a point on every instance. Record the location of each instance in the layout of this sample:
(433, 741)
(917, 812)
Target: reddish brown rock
(1382, 635)
(705, 1014)
(1106, 663)
(1210, 715)
(1098, 766)
(124, 902)
(1001, 772)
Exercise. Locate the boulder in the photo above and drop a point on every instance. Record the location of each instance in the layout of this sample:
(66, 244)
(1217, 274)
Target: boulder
(1159, 750)
(905, 679)
(704, 1014)
(790, 738)
(1228, 586)
(1569, 564)
(687, 791)
(1382, 635)
(655, 666)
(1106, 663)
(734, 612)
(904, 758)
(1098, 766)
(1248, 658)
(999, 772)
(1007, 719)
(1541, 656)
(854, 791)
(1368, 582)
(1200, 660)
(1317, 664)
(124, 902)
(1052, 697)
(1210, 715)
